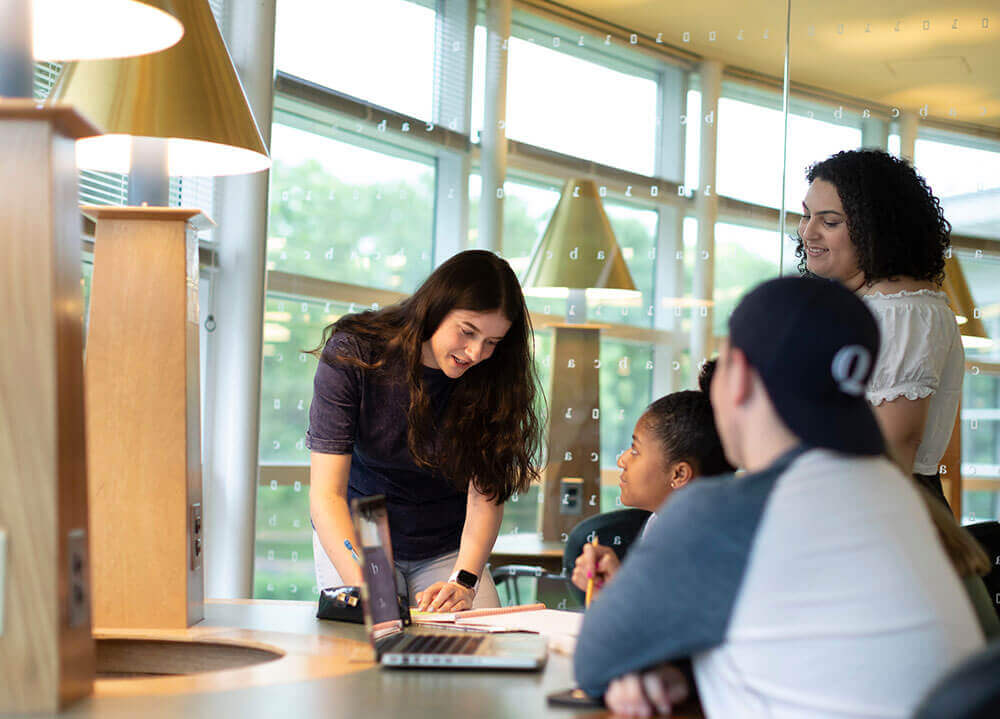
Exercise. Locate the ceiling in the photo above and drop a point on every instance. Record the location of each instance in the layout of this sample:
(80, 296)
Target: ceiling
(940, 59)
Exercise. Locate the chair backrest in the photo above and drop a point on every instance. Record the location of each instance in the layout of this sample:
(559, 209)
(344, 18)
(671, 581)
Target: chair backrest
(969, 691)
(616, 529)
(988, 535)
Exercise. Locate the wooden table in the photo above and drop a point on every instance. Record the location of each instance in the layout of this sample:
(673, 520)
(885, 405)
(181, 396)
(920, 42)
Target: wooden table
(323, 672)
(528, 549)
(320, 675)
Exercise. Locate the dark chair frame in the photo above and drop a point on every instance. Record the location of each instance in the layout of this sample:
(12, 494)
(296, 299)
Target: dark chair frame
(617, 529)
(988, 536)
(969, 691)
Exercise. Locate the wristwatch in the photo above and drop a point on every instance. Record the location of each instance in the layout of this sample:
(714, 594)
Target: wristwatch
(466, 579)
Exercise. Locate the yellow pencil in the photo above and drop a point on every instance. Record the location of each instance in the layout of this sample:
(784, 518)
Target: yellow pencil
(590, 582)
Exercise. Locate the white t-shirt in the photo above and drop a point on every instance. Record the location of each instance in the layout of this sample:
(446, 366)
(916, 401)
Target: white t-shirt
(921, 356)
(814, 589)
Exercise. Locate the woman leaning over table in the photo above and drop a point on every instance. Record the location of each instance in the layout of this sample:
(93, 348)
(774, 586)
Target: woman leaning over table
(871, 223)
(429, 402)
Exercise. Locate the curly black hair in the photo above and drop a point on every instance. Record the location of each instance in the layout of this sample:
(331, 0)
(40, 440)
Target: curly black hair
(683, 424)
(894, 220)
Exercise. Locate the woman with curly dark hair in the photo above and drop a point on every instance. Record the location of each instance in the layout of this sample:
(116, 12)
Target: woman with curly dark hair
(872, 223)
(429, 402)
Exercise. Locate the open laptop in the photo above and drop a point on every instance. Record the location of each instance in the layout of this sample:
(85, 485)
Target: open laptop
(424, 647)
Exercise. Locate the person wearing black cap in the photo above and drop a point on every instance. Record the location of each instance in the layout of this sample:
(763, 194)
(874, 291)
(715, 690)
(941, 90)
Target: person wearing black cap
(813, 585)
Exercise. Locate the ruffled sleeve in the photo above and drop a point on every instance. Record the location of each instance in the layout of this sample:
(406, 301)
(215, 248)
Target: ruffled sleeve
(916, 339)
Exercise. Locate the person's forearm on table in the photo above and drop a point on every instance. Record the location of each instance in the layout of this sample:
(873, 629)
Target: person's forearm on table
(482, 525)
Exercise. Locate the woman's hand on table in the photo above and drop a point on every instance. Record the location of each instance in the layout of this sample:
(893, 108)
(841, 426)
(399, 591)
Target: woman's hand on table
(599, 562)
(653, 692)
(445, 597)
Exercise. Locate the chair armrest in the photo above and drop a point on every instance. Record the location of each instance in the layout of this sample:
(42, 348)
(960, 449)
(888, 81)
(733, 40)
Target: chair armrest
(506, 571)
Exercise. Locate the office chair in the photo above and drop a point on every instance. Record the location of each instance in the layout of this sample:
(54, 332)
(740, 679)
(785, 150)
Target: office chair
(988, 536)
(969, 691)
(617, 529)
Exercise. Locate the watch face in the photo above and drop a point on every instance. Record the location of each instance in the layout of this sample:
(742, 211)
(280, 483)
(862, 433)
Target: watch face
(466, 579)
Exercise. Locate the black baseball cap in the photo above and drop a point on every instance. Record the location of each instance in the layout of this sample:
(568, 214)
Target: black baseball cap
(814, 345)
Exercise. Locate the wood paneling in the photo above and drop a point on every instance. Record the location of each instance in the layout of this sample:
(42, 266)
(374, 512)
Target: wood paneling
(574, 440)
(527, 549)
(143, 415)
(46, 649)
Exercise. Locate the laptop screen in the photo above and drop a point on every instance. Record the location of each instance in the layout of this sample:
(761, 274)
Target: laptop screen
(378, 588)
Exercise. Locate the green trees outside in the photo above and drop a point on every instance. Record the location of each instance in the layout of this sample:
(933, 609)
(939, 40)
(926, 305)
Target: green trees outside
(737, 270)
(378, 235)
(981, 441)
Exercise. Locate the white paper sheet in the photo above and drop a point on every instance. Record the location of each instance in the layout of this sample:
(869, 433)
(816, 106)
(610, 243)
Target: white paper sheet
(547, 622)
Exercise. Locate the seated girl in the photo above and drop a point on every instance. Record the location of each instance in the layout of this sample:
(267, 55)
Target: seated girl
(673, 442)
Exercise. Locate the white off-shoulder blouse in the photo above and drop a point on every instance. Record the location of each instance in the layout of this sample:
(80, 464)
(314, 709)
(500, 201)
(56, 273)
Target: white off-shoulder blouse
(921, 356)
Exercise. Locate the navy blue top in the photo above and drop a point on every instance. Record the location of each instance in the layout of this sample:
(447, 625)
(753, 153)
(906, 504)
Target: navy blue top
(677, 607)
(363, 413)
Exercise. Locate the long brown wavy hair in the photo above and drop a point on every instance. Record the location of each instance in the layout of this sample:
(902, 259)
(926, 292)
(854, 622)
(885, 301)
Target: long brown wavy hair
(490, 433)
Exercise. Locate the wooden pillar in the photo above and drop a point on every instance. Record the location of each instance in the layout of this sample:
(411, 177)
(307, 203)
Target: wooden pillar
(572, 485)
(46, 648)
(143, 418)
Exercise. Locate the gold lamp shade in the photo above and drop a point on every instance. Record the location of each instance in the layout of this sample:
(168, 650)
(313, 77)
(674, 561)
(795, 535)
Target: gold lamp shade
(77, 30)
(188, 96)
(579, 251)
(973, 331)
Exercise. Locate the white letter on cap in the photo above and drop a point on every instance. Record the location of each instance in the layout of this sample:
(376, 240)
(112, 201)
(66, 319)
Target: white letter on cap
(850, 368)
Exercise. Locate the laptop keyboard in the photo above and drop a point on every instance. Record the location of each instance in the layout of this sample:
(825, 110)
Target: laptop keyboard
(439, 644)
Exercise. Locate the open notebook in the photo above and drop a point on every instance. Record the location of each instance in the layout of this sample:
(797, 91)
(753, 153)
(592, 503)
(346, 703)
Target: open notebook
(419, 617)
(547, 622)
(561, 628)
